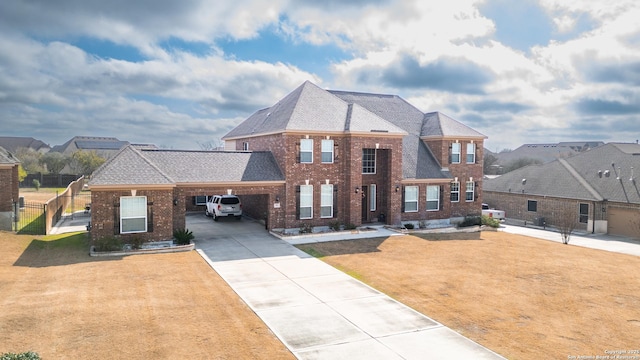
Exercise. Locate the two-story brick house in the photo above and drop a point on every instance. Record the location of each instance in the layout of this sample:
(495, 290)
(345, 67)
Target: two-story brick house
(315, 158)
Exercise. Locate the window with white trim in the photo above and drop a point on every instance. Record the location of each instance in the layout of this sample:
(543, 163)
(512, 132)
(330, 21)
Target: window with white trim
(455, 191)
(471, 153)
(133, 214)
(200, 200)
(433, 198)
(372, 197)
(245, 146)
(470, 191)
(306, 151)
(326, 201)
(368, 161)
(327, 151)
(306, 201)
(410, 199)
(455, 153)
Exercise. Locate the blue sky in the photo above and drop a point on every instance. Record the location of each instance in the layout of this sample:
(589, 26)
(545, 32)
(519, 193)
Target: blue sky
(181, 74)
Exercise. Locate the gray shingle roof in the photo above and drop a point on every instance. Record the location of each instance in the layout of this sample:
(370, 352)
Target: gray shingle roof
(590, 168)
(169, 167)
(440, 125)
(7, 158)
(12, 143)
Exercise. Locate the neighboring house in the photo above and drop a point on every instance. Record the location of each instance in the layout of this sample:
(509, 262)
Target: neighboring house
(599, 186)
(12, 144)
(315, 158)
(542, 153)
(9, 187)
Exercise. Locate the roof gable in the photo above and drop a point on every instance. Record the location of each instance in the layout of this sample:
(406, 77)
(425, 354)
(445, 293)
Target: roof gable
(437, 124)
(129, 167)
(7, 158)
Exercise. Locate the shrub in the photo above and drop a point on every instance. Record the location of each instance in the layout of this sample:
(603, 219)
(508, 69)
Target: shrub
(350, 226)
(108, 243)
(408, 226)
(183, 236)
(306, 228)
(489, 221)
(29, 355)
(334, 225)
(470, 221)
(136, 242)
(423, 224)
(36, 184)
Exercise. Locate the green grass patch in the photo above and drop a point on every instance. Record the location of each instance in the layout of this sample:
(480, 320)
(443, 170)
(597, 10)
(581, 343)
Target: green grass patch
(76, 240)
(313, 252)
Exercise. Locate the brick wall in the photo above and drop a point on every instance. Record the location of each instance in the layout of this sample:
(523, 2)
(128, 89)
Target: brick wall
(9, 190)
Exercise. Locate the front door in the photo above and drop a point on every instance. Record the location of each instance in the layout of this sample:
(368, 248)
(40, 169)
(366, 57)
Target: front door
(365, 204)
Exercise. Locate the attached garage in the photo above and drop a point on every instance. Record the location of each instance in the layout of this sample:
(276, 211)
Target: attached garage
(624, 222)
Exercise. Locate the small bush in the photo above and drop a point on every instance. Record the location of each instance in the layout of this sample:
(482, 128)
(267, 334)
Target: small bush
(334, 225)
(108, 243)
(350, 226)
(470, 221)
(306, 228)
(136, 242)
(183, 237)
(423, 224)
(36, 184)
(29, 355)
(490, 221)
(408, 226)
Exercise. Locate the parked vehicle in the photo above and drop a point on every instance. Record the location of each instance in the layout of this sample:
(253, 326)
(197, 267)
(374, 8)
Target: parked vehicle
(223, 205)
(493, 213)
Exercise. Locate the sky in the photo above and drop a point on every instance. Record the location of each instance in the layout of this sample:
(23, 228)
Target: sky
(181, 74)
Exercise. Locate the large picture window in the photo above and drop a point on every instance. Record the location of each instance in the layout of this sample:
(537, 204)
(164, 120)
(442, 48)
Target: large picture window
(306, 201)
(306, 151)
(455, 153)
(326, 201)
(368, 161)
(133, 214)
(433, 198)
(411, 199)
(455, 191)
(471, 153)
(470, 191)
(327, 151)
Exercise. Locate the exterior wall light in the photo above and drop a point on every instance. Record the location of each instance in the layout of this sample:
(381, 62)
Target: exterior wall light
(357, 189)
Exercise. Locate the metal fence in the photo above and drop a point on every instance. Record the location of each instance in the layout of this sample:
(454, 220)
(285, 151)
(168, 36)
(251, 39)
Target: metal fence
(30, 218)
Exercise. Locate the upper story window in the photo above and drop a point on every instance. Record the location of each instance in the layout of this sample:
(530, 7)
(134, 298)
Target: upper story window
(470, 191)
(471, 153)
(306, 151)
(455, 153)
(368, 161)
(455, 191)
(133, 214)
(327, 151)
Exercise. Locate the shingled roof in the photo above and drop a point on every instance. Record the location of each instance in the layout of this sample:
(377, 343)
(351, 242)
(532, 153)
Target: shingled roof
(170, 167)
(7, 158)
(610, 171)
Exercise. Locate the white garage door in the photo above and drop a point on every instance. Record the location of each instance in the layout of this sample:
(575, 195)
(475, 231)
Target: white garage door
(624, 222)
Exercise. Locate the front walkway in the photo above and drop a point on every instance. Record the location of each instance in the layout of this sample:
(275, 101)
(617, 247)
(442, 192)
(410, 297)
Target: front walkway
(319, 312)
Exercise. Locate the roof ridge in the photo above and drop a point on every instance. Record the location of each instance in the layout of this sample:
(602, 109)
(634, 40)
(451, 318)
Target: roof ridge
(580, 179)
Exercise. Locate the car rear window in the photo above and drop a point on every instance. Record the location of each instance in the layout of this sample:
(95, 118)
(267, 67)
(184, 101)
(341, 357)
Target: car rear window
(230, 201)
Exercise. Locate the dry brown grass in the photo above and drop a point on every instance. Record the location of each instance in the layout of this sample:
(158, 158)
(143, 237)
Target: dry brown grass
(521, 297)
(63, 304)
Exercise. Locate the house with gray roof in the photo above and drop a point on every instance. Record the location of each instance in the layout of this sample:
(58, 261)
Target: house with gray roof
(599, 187)
(13, 143)
(315, 158)
(9, 188)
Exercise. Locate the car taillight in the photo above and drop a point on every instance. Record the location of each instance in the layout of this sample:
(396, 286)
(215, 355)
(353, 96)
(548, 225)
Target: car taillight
(219, 207)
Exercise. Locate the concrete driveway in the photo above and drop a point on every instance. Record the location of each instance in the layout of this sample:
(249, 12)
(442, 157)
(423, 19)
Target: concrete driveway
(317, 311)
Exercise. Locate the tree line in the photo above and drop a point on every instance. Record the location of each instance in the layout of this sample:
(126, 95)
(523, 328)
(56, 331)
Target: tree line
(80, 162)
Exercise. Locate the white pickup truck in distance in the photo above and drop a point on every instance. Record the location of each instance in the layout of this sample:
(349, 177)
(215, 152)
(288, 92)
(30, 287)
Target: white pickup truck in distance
(493, 213)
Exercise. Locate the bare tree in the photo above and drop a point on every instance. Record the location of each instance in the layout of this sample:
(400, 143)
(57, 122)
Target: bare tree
(565, 219)
(211, 145)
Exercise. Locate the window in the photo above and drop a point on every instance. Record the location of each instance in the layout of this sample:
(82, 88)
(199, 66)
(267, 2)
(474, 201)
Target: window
(433, 198)
(327, 151)
(133, 214)
(200, 200)
(306, 201)
(245, 146)
(532, 205)
(368, 161)
(471, 153)
(306, 151)
(326, 201)
(470, 191)
(455, 153)
(411, 199)
(584, 213)
(455, 191)
(372, 197)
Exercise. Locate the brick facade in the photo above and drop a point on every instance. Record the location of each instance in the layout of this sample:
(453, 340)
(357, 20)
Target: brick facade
(9, 191)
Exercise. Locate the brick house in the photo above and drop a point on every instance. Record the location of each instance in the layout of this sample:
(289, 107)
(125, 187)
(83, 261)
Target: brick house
(598, 188)
(325, 157)
(9, 187)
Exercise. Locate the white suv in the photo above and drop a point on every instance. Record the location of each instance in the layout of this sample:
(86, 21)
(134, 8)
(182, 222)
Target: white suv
(224, 205)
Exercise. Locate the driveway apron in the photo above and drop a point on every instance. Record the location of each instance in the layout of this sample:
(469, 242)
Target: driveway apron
(317, 311)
